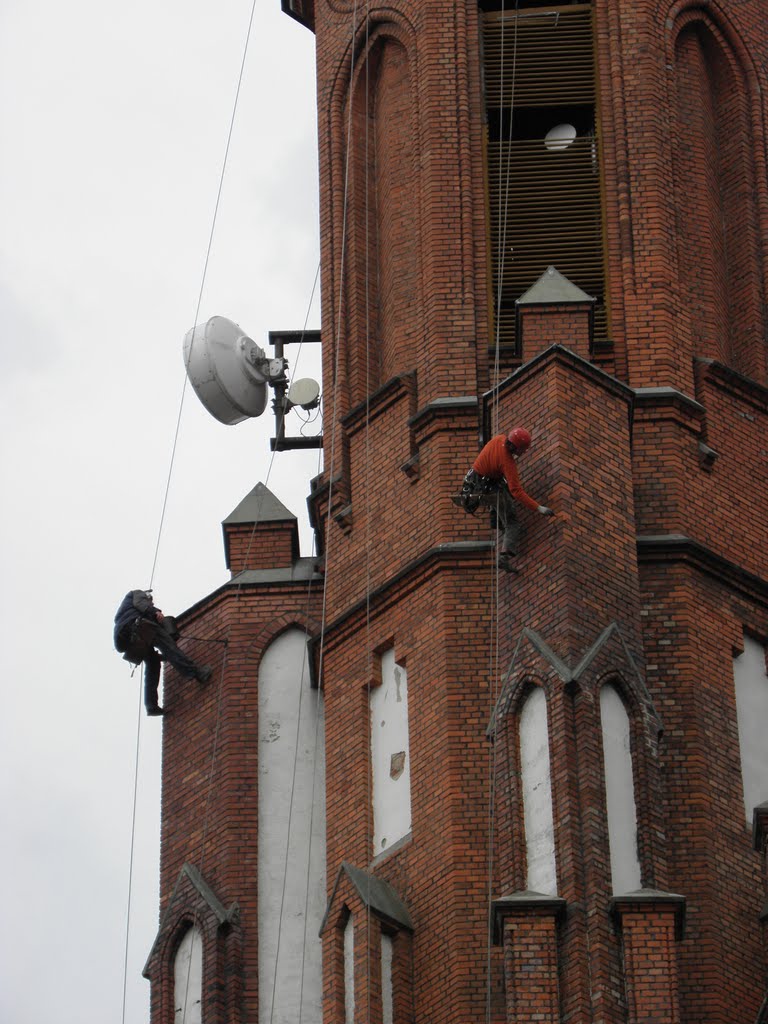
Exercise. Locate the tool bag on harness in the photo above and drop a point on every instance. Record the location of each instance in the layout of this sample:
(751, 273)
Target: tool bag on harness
(134, 641)
(475, 491)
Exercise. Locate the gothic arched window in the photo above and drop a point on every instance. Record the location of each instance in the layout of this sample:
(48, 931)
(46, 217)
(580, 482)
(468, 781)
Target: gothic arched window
(188, 978)
(619, 792)
(537, 794)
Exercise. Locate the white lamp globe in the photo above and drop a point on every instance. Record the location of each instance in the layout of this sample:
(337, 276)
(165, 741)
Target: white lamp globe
(560, 137)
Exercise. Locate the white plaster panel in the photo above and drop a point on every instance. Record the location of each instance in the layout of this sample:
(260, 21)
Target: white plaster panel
(752, 715)
(390, 755)
(188, 979)
(291, 839)
(619, 792)
(537, 795)
(349, 971)
(387, 950)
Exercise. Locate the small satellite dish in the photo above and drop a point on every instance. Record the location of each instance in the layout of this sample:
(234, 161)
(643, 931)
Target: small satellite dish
(228, 370)
(304, 392)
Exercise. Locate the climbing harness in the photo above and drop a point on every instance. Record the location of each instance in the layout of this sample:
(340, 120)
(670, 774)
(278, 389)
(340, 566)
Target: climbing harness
(477, 491)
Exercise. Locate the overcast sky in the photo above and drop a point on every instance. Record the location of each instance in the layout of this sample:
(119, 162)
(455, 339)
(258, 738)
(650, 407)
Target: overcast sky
(113, 126)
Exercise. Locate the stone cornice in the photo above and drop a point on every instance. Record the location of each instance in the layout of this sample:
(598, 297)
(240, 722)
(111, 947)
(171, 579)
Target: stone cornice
(303, 572)
(733, 382)
(375, 893)
(674, 547)
(406, 578)
(443, 408)
(524, 904)
(611, 640)
(565, 357)
(395, 389)
(649, 900)
(656, 397)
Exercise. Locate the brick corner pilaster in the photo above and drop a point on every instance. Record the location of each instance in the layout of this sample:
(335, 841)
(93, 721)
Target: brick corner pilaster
(651, 922)
(526, 924)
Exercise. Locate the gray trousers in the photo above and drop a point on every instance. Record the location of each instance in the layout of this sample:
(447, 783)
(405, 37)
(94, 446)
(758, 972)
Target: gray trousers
(495, 494)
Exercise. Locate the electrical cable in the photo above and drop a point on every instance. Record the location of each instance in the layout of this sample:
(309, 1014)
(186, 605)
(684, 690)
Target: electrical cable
(202, 286)
(178, 428)
(330, 471)
(318, 707)
(330, 468)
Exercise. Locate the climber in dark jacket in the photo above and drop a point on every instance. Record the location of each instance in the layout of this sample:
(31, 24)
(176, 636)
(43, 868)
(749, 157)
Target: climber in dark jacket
(141, 631)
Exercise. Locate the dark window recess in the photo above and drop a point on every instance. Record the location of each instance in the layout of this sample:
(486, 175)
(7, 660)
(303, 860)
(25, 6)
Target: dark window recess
(545, 201)
(302, 10)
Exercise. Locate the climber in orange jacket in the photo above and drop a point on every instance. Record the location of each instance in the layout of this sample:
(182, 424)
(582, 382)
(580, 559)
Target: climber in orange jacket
(495, 466)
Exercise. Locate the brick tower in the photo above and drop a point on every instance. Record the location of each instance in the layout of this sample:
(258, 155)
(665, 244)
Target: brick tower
(539, 796)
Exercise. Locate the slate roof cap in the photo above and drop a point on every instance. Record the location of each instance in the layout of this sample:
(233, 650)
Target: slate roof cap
(553, 288)
(259, 506)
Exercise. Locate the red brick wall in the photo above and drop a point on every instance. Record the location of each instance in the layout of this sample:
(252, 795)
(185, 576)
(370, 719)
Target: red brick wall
(210, 791)
(540, 325)
(685, 271)
(721, 284)
(404, 567)
(383, 222)
(681, 120)
(695, 623)
(272, 546)
(436, 622)
(649, 941)
(531, 969)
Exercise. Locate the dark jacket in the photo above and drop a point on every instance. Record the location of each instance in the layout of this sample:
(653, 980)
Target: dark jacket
(136, 604)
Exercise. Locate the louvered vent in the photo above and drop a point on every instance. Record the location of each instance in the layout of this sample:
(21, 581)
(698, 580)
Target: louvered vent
(545, 204)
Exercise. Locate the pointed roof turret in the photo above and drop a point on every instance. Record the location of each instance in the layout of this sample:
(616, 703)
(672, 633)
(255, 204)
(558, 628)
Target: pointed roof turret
(259, 506)
(553, 288)
(260, 533)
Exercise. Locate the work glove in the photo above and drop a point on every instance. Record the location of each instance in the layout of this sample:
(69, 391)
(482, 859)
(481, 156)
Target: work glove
(545, 511)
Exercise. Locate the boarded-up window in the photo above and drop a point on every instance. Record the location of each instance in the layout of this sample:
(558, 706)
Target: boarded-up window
(537, 794)
(751, 684)
(188, 979)
(387, 952)
(390, 754)
(291, 838)
(349, 971)
(619, 792)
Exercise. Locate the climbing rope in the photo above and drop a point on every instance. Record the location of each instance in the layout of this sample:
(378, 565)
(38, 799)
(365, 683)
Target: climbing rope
(291, 802)
(172, 462)
(369, 662)
(330, 470)
(495, 625)
(130, 859)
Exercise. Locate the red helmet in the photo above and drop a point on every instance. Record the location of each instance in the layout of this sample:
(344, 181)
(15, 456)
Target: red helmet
(519, 438)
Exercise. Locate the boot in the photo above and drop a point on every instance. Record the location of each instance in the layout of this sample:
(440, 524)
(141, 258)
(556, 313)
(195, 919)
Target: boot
(204, 674)
(154, 711)
(505, 562)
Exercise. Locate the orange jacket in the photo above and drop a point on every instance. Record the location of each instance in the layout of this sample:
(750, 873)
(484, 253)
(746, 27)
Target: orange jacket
(496, 461)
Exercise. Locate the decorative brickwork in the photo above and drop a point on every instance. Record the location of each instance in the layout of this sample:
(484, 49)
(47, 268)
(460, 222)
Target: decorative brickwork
(210, 788)
(651, 446)
(651, 922)
(526, 924)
